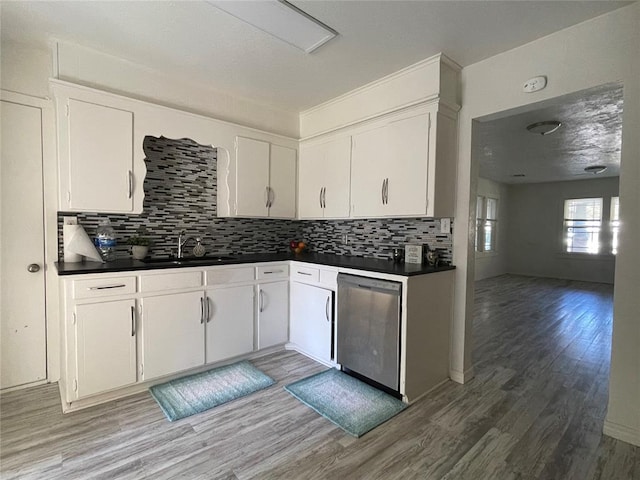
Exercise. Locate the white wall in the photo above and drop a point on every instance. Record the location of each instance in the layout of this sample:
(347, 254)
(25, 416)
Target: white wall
(492, 264)
(600, 51)
(89, 67)
(536, 235)
(25, 69)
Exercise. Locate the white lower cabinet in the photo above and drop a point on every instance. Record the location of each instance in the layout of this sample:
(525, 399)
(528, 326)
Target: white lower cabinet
(229, 325)
(273, 313)
(311, 315)
(172, 333)
(105, 346)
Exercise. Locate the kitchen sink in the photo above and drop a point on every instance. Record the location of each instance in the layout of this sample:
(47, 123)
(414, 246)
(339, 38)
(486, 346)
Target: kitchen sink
(207, 260)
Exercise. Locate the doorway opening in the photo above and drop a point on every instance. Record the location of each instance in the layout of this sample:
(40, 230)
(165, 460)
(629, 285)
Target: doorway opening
(546, 239)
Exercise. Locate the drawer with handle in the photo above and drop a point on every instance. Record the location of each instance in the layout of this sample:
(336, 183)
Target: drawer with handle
(222, 275)
(273, 272)
(104, 287)
(305, 274)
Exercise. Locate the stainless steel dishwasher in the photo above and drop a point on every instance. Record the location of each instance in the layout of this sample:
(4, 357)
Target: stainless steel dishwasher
(369, 329)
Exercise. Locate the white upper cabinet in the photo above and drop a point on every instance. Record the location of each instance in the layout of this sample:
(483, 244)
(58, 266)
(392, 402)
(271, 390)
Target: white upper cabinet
(282, 182)
(98, 172)
(265, 179)
(253, 177)
(324, 173)
(405, 166)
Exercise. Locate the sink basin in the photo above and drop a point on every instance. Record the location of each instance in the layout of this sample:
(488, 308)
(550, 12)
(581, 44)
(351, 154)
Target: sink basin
(187, 260)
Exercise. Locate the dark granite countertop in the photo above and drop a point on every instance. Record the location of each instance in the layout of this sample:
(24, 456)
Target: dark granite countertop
(344, 261)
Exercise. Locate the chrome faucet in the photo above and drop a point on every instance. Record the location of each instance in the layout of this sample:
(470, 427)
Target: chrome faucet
(182, 240)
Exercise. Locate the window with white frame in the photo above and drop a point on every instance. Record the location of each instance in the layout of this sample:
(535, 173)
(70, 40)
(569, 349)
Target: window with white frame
(614, 222)
(582, 225)
(486, 224)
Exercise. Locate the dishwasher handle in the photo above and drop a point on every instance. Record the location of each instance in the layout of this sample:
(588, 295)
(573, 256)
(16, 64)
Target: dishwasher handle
(373, 284)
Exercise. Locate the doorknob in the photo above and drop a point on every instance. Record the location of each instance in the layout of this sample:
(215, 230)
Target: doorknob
(33, 268)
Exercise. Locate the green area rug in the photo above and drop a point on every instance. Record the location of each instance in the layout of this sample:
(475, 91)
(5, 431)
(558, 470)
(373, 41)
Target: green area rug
(351, 404)
(196, 393)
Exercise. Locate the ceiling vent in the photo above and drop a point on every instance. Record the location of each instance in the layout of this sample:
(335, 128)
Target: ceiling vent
(282, 20)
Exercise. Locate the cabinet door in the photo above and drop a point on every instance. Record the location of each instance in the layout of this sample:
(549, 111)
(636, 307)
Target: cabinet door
(229, 330)
(311, 181)
(273, 314)
(408, 150)
(370, 164)
(282, 182)
(337, 175)
(100, 158)
(311, 320)
(172, 333)
(252, 177)
(106, 346)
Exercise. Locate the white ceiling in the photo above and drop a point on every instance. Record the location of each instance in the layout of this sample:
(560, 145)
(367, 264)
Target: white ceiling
(195, 40)
(591, 134)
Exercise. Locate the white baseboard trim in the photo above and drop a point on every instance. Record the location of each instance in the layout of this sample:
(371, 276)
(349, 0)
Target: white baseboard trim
(296, 348)
(408, 400)
(461, 377)
(622, 432)
(23, 386)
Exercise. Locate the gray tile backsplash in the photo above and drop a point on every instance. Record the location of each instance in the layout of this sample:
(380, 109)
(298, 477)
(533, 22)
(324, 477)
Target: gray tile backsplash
(375, 237)
(180, 193)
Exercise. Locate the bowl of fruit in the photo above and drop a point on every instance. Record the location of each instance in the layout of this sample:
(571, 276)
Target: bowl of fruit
(296, 246)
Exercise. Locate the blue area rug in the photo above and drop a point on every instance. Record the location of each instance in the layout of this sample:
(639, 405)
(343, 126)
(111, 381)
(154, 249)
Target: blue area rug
(196, 393)
(351, 404)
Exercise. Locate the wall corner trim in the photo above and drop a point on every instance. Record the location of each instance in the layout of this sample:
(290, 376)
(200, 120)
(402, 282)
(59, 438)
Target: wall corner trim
(461, 377)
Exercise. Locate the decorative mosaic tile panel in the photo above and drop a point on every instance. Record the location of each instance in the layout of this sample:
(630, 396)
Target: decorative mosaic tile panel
(180, 193)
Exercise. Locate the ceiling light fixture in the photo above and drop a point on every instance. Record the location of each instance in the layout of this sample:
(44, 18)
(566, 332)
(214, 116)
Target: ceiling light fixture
(544, 128)
(282, 20)
(595, 169)
(518, 175)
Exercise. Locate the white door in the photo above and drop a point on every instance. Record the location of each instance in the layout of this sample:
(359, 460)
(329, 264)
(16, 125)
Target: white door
(252, 157)
(370, 163)
(172, 333)
(22, 322)
(229, 330)
(282, 182)
(100, 158)
(337, 166)
(406, 188)
(106, 346)
(273, 314)
(311, 172)
(311, 314)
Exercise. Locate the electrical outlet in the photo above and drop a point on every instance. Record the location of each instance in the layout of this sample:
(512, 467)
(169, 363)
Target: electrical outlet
(69, 220)
(445, 225)
(345, 239)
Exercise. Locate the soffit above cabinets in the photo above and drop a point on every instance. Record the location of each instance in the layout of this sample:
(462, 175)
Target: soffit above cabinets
(591, 134)
(201, 44)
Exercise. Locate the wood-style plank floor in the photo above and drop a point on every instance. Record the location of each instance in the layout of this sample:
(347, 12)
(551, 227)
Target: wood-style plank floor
(534, 411)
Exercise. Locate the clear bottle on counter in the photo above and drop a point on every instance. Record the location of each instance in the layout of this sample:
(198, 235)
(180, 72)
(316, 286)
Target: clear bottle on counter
(106, 240)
